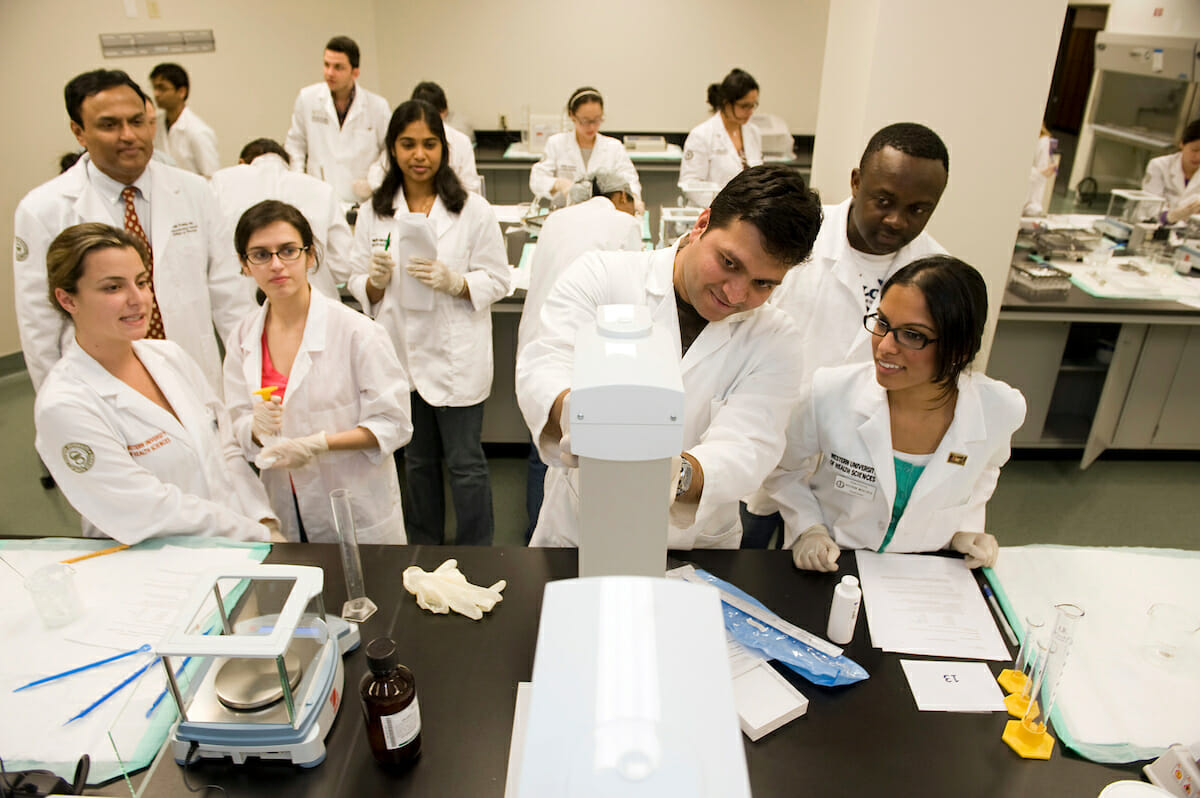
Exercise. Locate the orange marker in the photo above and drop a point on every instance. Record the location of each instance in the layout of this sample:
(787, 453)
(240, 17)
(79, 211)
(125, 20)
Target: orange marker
(100, 553)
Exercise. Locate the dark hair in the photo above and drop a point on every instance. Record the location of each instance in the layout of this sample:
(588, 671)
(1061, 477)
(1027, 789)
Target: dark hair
(584, 94)
(775, 200)
(268, 212)
(70, 248)
(68, 160)
(736, 85)
(262, 147)
(596, 192)
(345, 45)
(431, 93)
(92, 83)
(956, 297)
(909, 138)
(1191, 132)
(445, 182)
(173, 74)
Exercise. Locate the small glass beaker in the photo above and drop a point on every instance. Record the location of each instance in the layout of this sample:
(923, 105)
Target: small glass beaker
(1171, 632)
(52, 588)
(1099, 257)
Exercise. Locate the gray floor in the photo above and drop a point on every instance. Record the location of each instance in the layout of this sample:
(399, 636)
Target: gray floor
(1115, 502)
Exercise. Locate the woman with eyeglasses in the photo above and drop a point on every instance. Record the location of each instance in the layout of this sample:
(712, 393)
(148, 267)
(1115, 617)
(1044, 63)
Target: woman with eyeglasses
(726, 143)
(575, 154)
(319, 398)
(902, 453)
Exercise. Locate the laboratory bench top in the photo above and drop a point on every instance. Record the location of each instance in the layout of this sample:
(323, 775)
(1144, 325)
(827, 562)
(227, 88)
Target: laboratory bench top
(865, 739)
(1079, 301)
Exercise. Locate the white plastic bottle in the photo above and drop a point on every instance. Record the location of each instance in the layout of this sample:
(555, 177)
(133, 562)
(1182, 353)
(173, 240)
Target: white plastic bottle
(843, 612)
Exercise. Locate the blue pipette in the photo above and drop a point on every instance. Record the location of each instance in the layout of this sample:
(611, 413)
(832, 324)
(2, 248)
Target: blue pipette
(113, 691)
(141, 649)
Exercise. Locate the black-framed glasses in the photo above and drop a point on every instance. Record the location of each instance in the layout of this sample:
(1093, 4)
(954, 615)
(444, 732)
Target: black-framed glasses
(289, 253)
(909, 339)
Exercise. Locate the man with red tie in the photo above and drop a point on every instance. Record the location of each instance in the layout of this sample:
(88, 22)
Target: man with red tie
(194, 271)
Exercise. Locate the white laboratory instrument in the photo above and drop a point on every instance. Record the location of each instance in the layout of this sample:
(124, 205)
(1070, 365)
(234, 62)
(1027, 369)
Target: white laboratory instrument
(700, 192)
(777, 142)
(674, 223)
(631, 695)
(538, 130)
(1127, 208)
(645, 143)
(626, 425)
(1177, 771)
(269, 683)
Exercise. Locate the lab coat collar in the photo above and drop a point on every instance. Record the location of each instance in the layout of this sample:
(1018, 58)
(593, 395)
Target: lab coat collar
(875, 429)
(313, 340)
(269, 162)
(166, 190)
(967, 427)
(439, 215)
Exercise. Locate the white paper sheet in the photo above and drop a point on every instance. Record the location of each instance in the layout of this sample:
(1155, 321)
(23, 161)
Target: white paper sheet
(943, 686)
(923, 604)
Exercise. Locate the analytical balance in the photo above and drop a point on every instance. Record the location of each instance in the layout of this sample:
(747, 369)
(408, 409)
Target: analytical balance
(270, 682)
(1127, 208)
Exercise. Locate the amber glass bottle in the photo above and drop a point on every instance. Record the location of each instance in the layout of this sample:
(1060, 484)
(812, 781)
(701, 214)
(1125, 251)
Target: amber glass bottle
(389, 702)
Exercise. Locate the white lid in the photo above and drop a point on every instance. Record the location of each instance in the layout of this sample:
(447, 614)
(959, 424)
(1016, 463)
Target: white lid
(851, 581)
(1132, 789)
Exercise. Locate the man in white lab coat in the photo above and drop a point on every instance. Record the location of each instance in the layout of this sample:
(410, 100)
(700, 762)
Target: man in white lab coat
(338, 126)
(262, 173)
(190, 141)
(196, 279)
(739, 357)
(606, 223)
(863, 241)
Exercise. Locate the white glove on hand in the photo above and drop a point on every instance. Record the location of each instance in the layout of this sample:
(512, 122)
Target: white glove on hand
(564, 444)
(361, 189)
(382, 266)
(446, 589)
(292, 453)
(815, 550)
(639, 206)
(275, 535)
(980, 548)
(437, 276)
(268, 419)
(561, 185)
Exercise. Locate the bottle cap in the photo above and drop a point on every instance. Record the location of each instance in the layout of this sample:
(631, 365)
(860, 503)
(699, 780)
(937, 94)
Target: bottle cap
(848, 580)
(382, 655)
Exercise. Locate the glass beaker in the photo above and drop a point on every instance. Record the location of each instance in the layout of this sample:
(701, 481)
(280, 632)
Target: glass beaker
(357, 607)
(52, 588)
(1170, 633)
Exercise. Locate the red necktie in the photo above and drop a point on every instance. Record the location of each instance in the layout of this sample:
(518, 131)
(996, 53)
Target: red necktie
(133, 226)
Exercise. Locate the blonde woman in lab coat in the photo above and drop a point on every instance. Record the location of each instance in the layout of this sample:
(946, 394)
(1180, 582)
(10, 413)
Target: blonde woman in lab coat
(1173, 177)
(133, 433)
(340, 405)
(908, 447)
(573, 155)
(727, 143)
(437, 309)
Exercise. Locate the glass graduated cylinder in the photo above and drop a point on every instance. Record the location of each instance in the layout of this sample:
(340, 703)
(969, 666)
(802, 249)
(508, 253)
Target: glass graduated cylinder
(357, 607)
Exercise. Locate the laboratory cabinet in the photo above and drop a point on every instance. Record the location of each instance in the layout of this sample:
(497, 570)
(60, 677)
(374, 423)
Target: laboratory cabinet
(1101, 374)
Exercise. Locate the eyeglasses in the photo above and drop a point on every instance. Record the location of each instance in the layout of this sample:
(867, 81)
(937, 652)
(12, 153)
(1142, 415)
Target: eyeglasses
(746, 105)
(590, 122)
(289, 253)
(909, 339)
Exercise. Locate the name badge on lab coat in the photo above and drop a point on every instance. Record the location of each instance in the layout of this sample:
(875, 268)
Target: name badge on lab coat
(852, 478)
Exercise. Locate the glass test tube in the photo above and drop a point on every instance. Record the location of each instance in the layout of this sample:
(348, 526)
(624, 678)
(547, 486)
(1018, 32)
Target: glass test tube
(1049, 668)
(358, 607)
(1035, 626)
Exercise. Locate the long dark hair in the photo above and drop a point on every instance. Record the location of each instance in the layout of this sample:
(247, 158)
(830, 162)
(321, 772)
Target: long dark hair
(445, 182)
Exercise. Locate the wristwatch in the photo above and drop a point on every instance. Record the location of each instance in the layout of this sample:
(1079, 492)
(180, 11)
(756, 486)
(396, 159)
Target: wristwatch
(685, 477)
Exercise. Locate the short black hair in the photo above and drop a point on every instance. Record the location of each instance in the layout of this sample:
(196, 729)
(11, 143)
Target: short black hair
(92, 83)
(431, 93)
(174, 74)
(774, 199)
(267, 212)
(736, 85)
(445, 182)
(1191, 132)
(346, 46)
(262, 147)
(68, 160)
(956, 297)
(909, 138)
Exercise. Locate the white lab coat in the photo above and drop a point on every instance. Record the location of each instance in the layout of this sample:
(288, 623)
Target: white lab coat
(1164, 177)
(345, 375)
(448, 350)
(337, 155)
(462, 161)
(191, 143)
(1042, 158)
(562, 158)
(134, 470)
(197, 278)
(567, 234)
(847, 423)
(740, 379)
(239, 187)
(709, 154)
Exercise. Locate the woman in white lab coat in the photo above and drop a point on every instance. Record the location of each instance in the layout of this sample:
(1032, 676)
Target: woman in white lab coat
(573, 155)
(726, 143)
(133, 433)
(340, 405)
(437, 309)
(909, 446)
(1171, 177)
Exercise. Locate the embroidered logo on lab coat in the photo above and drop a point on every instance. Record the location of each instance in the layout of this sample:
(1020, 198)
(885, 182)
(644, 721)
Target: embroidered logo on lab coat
(956, 459)
(78, 457)
(20, 249)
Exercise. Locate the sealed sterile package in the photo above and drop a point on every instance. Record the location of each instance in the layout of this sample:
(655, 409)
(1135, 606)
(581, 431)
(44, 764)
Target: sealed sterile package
(819, 667)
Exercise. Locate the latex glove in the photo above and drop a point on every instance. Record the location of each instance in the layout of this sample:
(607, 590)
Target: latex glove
(561, 185)
(361, 189)
(437, 276)
(268, 419)
(564, 444)
(1183, 212)
(275, 535)
(382, 266)
(980, 548)
(639, 206)
(445, 588)
(815, 550)
(292, 453)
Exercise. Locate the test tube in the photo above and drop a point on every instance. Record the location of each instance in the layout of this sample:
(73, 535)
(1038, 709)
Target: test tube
(358, 607)
(1031, 739)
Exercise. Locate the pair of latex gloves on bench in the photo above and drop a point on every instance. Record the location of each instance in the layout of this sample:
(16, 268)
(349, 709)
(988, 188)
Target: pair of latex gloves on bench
(445, 588)
(432, 273)
(815, 550)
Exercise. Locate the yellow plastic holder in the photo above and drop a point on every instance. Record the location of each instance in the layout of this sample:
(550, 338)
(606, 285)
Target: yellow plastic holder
(1013, 681)
(1017, 705)
(1028, 744)
(265, 393)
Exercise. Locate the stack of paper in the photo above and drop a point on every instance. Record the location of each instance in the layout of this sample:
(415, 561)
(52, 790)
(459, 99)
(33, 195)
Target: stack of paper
(941, 686)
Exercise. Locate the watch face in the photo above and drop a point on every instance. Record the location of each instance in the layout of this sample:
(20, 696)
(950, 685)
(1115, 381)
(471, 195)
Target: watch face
(685, 478)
